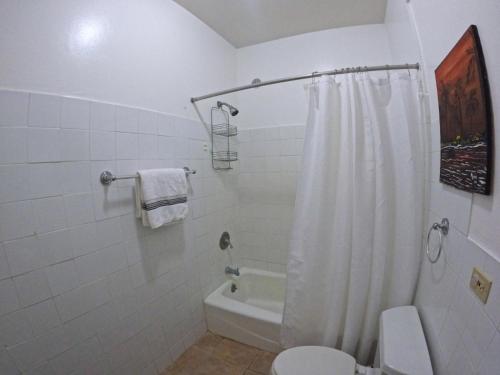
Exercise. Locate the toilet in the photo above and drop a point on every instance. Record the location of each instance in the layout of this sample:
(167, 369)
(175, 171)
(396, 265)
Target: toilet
(402, 351)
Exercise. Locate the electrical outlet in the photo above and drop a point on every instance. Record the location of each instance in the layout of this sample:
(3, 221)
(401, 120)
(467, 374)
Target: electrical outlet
(480, 285)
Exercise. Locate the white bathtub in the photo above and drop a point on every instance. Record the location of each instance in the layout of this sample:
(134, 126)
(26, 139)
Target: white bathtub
(253, 313)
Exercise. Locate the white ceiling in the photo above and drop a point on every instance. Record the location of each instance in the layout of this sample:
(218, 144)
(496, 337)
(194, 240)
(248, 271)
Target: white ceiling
(246, 22)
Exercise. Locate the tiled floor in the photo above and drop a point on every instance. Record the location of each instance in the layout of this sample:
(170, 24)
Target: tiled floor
(215, 355)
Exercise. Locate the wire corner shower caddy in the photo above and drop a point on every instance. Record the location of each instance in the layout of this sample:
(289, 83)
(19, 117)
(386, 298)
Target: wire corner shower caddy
(222, 133)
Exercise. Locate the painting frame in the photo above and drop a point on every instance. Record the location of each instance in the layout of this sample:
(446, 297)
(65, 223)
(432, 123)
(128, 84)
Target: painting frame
(465, 116)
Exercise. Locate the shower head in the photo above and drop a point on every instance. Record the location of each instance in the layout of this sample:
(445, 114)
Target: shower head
(232, 110)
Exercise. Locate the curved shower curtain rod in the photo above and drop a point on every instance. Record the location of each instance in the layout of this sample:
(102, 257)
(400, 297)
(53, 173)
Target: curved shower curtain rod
(357, 69)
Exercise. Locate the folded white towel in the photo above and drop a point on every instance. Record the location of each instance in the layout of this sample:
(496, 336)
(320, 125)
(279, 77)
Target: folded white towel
(161, 196)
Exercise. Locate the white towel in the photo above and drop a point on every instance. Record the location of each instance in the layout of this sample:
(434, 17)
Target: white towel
(161, 196)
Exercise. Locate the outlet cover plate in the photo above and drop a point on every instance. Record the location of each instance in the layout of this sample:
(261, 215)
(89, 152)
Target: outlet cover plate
(480, 284)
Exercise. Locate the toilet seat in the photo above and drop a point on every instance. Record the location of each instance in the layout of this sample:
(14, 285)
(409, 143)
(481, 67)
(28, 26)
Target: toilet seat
(313, 360)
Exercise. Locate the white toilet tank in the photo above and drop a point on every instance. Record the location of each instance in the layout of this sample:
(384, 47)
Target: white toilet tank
(403, 350)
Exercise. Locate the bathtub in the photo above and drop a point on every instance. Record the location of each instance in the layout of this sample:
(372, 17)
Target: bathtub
(252, 314)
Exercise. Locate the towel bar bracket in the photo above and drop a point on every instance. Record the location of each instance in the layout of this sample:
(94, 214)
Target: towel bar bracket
(107, 177)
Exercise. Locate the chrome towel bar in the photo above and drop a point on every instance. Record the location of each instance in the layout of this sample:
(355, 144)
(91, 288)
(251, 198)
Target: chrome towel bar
(107, 177)
(442, 230)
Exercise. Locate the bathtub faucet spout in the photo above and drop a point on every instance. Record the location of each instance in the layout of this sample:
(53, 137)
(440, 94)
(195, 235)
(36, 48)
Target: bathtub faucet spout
(232, 271)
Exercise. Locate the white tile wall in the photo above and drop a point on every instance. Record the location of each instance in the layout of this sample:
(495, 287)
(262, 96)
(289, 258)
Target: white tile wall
(463, 334)
(269, 164)
(75, 114)
(15, 328)
(13, 145)
(24, 255)
(84, 288)
(460, 329)
(44, 111)
(8, 296)
(43, 317)
(32, 287)
(14, 108)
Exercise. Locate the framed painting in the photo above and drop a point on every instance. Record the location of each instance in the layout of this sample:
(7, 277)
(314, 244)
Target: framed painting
(465, 116)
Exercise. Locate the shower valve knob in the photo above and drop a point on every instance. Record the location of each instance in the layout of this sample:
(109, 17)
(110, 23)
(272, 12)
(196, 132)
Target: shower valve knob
(225, 241)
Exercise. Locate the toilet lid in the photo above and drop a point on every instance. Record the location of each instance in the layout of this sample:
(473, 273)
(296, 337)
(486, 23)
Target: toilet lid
(313, 360)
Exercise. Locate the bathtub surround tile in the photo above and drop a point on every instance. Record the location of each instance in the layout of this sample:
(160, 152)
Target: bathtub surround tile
(269, 161)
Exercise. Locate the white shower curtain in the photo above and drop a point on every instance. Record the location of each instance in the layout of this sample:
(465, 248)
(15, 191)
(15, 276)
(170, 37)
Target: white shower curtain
(356, 238)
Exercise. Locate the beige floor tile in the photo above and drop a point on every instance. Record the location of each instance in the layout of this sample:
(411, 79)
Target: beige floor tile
(189, 361)
(208, 342)
(217, 366)
(214, 355)
(235, 353)
(262, 363)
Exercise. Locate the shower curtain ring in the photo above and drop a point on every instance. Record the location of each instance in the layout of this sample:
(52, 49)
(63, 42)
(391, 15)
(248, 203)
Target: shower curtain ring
(313, 77)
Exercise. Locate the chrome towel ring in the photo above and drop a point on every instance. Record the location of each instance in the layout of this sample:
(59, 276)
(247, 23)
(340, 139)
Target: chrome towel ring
(442, 230)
